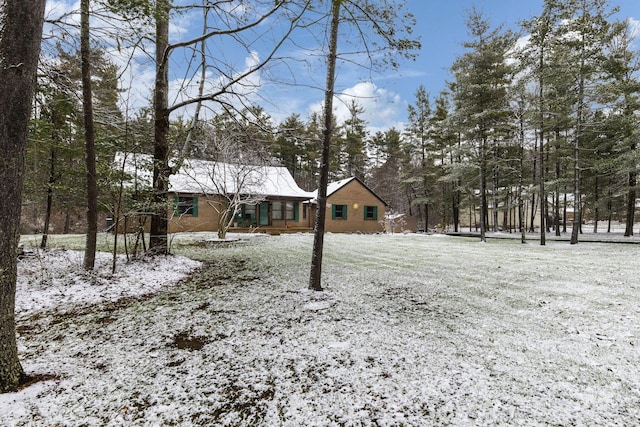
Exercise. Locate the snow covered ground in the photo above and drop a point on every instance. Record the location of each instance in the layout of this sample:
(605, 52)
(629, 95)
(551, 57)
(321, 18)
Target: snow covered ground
(411, 330)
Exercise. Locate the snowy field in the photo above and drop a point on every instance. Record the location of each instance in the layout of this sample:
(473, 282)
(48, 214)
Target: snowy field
(412, 330)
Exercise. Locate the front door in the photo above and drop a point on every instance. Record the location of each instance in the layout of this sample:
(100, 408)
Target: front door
(264, 213)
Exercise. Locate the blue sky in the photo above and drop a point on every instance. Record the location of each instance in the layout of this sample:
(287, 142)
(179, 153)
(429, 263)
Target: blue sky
(441, 26)
(384, 96)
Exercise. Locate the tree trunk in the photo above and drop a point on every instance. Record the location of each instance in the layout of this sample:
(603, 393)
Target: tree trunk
(543, 196)
(456, 210)
(556, 210)
(609, 213)
(631, 202)
(457, 196)
(48, 209)
(90, 143)
(521, 225)
(533, 196)
(472, 214)
(484, 211)
(564, 214)
(506, 215)
(159, 227)
(315, 279)
(494, 197)
(577, 203)
(20, 35)
(426, 216)
(596, 210)
(67, 221)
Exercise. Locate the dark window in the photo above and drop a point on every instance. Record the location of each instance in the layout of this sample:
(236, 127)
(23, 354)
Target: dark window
(289, 210)
(186, 206)
(371, 212)
(247, 215)
(284, 210)
(276, 210)
(338, 211)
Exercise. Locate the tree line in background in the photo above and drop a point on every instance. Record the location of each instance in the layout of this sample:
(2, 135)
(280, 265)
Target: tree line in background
(539, 124)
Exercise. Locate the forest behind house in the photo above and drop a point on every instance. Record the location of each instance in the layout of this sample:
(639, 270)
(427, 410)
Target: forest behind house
(530, 122)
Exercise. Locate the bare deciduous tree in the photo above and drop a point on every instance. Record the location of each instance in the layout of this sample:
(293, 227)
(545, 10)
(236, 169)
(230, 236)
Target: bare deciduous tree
(238, 29)
(234, 178)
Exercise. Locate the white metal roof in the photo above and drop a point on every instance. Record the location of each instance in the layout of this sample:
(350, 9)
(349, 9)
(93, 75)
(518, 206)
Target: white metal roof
(332, 187)
(207, 177)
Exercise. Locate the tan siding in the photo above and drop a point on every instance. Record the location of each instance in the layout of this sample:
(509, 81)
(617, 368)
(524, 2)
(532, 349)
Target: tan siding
(356, 197)
(207, 219)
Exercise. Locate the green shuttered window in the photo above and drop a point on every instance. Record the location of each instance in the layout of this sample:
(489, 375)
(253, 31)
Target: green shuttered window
(371, 213)
(185, 206)
(338, 211)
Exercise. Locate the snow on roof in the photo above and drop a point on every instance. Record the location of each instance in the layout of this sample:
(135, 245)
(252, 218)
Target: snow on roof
(208, 177)
(335, 186)
(332, 187)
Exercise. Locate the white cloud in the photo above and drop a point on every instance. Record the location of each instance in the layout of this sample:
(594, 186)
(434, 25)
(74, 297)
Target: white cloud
(382, 108)
(247, 91)
(634, 25)
(58, 8)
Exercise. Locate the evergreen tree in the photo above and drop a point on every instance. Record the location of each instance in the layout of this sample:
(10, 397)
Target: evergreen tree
(55, 156)
(289, 144)
(621, 95)
(482, 77)
(387, 177)
(354, 157)
(417, 140)
(586, 32)
(444, 140)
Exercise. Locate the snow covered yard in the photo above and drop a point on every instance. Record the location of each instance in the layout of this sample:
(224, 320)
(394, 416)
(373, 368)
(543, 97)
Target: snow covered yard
(411, 330)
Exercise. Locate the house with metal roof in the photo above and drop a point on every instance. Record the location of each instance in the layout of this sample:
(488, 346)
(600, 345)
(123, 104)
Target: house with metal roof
(352, 207)
(205, 195)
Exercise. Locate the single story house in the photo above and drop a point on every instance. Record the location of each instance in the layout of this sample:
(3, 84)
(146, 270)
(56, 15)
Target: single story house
(352, 207)
(200, 193)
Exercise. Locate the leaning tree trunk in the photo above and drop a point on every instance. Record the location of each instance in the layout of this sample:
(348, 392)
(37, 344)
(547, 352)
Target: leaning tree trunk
(20, 35)
(315, 282)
